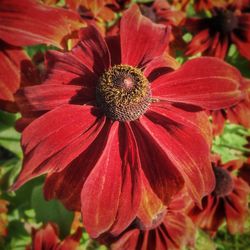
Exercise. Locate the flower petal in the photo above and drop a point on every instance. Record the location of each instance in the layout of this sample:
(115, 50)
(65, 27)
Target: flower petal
(162, 175)
(141, 39)
(240, 113)
(114, 46)
(45, 97)
(130, 196)
(206, 82)
(236, 206)
(115, 185)
(72, 242)
(185, 146)
(80, 158)
(69, 68)
(93, 50)
(152, 210)
(30, 22)
(45, 140)
(46, 237)
(219, 118)
(242, 46)
(160, 65)
(11, 59)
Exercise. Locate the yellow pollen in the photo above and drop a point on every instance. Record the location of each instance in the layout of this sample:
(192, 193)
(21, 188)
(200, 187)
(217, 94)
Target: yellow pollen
(123, 93)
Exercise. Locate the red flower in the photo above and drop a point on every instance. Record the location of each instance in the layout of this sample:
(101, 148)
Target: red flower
(29, 22)
(46, 238)
(175, 231)
(244, 171)
(98, 10)
(212, 36)
(162, 12)
(228, 201)
(122, 128)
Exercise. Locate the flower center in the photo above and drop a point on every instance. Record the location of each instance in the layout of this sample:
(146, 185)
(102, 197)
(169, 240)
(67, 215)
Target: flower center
(225, 21)
(123, 93)
(224, 182)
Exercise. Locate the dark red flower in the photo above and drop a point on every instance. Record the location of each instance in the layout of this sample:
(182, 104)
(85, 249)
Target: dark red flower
(27, 23)
(160, 11)
(122, 130)
(228, 201)
(46, 238)
(30, 22)
(175, 231)
(214, 35)
(244, 171)
(94, 9)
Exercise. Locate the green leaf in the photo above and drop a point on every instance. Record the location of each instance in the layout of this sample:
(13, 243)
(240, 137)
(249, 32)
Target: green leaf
(9, 171)
(40, 48)
(51, 211)
(231, 144)
(238, 61)
(203, 241)
(10, 139)
(18, 237)
(6, 120)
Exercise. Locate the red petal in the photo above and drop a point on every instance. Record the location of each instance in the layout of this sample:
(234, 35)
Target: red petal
(152, 210)
(236, 206)
(69, 68)
(45, 140)
(162, 175)
(71, 242)
(45, 238)
(184, 145)
(93, 50)
(200, 43)
(114, 46)
(130, 196)
(222, 48)
(11, 59)
(45, 97)
(243, 26)
(141, 39)
(80, 158)
(219, 120)
(206, 82)
(177, 228)
(160, 65)
(29, 22)
(212, 214)
(127, 241)
(240, 114)
(242, 46)
(114, 184)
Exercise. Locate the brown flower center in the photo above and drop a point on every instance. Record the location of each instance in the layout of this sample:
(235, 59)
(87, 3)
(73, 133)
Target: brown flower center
(225, 21)
(123, 93)
(224, 182)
